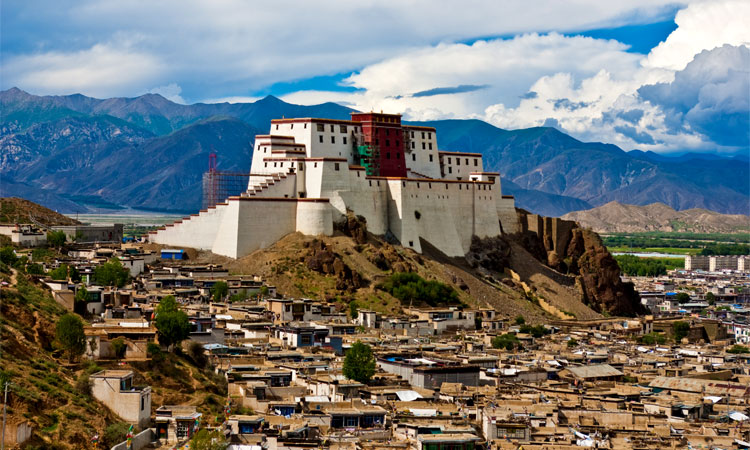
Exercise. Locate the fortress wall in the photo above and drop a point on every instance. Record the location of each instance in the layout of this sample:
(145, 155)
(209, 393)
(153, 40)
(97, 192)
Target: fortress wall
(368, 198)
(281, 188)
(198, 232)
(314, 218)
(506, 212)
(254, 223)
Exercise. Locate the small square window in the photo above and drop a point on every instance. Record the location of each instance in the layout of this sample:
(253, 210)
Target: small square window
(291, 127)
(387, 143)
(343, 128)
(458, 161)
(277, 126)
(467, 161)
(320, 127)
(387, 156)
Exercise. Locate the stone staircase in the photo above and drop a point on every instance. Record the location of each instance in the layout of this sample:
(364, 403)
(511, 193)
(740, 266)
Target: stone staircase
(270, 186)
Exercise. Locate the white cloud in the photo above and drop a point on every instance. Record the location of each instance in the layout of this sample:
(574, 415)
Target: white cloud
(702, 26)
(103, 70)
(170, 91)
(215, 49)
(586, 87)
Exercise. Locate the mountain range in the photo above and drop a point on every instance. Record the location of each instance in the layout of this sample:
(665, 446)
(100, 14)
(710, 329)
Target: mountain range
(77, 153)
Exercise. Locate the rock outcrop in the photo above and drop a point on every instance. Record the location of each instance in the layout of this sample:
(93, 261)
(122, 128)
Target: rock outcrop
(322, 260)
(570, 249)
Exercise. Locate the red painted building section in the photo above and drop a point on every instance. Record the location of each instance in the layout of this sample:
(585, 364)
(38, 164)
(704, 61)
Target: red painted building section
(384, 134)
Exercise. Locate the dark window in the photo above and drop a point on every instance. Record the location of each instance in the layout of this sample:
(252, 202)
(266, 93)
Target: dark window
(449, 160)
(423, 146)
(320, 127)
(398, 155)
(333, 139)
(476, 163)
(336, 166)
(305, 126)
(387, 132)
(291, 126)
(430, 146)
(412, 134)
(344, 140)
(387, 156)
(387, 143)
(423, 135)
(430, 158)
(458, 161)
(412, 144)
(413, 157)
(277, 126)
(331, 128)
(320, 138)
(343, 128)
(450, 169)
(467, 161)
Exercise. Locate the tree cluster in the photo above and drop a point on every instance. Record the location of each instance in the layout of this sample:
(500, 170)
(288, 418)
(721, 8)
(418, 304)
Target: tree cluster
(409, 287)
(359, 363)
(171, 323)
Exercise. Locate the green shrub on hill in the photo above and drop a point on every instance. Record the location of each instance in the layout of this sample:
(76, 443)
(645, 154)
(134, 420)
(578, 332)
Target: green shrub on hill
(410, 287)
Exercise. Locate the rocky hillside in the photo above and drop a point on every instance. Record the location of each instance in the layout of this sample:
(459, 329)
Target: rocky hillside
(54, 394)
(615, 217)
(18, 210)
(512, 274)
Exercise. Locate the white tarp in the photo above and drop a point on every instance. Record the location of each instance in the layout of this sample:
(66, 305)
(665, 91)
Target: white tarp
(420, 412)
(738, 416)
(408, 396)
(712, 399)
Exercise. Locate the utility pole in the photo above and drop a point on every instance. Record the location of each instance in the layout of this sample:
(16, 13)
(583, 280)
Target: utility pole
(5, 407)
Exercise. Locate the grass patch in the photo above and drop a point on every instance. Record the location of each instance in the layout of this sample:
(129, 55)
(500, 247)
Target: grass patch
(410, 287)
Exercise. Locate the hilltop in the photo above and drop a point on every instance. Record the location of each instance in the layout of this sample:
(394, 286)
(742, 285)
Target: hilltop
(19, 210)
(70, 152)
(615, 217)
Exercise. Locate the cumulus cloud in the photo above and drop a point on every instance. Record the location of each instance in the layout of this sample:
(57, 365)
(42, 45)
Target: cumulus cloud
(460, 89)
(711, 96)
(170, 91)
(220, 49)
(103, 70)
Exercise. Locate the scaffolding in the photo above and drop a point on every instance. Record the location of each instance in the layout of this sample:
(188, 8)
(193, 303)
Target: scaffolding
(368, 154)
(218, 186)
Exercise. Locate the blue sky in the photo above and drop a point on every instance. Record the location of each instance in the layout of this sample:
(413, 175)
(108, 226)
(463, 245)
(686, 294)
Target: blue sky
(656, 75)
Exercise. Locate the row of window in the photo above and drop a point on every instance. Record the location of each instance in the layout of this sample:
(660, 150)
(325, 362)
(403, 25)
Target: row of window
(414, 156)
(333, 139)
(458, 161)
(321, 127)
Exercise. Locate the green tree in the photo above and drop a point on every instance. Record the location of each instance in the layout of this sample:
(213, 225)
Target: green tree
(359, 363)
(35, 269)
(219, 290)
(167, 304)
(353, 309)
(520, 320)
(82, 295)
(74, 274)
(70, 335)
(56, 238)
(683, 297)
(173, 325)
(536, 331)
(737, 349)
(680, 330)
(572, 343)
(198, 354)
(118, 347)
(508, 341)
(8, 256)
(111, 273)
(652, 338)
(264, 291)
(710, 298)
(60, 273)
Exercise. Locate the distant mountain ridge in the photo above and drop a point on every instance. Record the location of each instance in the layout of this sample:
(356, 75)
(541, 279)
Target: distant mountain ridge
(149, 153)
(615, 217)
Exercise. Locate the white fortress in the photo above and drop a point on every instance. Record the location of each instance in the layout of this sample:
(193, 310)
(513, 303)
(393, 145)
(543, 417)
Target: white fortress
(308, 173)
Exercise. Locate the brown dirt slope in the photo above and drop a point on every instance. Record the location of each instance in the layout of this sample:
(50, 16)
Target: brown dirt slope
(17, 210)
(617, 217)
(340, 269)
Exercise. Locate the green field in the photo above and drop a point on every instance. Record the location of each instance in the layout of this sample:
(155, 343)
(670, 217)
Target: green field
(665, 250)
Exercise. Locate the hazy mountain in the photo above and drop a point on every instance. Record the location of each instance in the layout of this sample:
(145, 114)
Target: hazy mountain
(618, 217)
(148, 152)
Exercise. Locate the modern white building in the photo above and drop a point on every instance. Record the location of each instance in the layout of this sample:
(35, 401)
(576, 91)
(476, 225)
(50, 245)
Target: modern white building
(308, 173)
